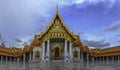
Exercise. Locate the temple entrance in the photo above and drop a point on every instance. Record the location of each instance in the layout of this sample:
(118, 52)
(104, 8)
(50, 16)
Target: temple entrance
(57, 52)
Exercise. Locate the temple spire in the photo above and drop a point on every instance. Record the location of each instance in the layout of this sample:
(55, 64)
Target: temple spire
(57, 7)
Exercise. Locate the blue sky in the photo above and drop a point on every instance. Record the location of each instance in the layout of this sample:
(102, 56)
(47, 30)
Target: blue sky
(97, 21)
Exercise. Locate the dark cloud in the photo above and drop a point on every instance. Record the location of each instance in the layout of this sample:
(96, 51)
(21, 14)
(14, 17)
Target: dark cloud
(24, 43)
(101, 43)
(30, 40)
(18, 40)
(118, 41)
(20, 18)
(113, 27)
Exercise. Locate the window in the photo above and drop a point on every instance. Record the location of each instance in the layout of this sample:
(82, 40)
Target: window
(75, 54)
(37, 54)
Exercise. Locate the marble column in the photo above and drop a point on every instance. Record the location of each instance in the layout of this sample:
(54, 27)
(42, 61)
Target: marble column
(24, 58)
(112, 59)
(48, 49)
(87, 57)
(33, 56)
(97, 59)
(10, 60)
(65, 46)
(93, 59)
(70, 50)
(103, 59)
(66, 52)
(43, 51)
(107, 60)
(82, 56)
(18, 59)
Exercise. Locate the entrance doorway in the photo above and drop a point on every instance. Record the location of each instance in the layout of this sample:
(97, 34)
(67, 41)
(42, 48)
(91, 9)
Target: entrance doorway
(57, 52)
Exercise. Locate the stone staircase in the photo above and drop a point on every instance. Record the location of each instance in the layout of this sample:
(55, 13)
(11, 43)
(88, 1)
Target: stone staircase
(76, 61)
(36, 61)
(52, 61)
(57, 61)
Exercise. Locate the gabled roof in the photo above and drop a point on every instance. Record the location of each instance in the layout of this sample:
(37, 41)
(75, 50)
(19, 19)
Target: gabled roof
(36, 42)
(86, 49)
(12, 51)
(112, 51)
(4, 51)
(57, 16)
(77, 42)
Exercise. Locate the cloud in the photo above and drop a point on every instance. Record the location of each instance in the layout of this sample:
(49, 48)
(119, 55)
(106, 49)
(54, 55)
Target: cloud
(18, 40)
(118, 41)
(24, 43)
(84, 3)
(100, 44)
(113, 27)
(23, 18)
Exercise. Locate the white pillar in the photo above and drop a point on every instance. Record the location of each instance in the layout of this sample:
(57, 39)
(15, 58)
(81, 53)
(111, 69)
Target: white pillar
(101, 59)
(87, 57)
(118, 59)
(65, 46)
(70, 51)
(66, 53)
(93, 59)
(113, 59)
(18, 59)
(10, 60)
(33, 56)
(107, 59)
(48, 48)
(24, 58)
(43, 51)
(104, 59)
(82, 56)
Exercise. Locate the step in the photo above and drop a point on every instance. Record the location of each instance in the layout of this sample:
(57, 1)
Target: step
(57, 61)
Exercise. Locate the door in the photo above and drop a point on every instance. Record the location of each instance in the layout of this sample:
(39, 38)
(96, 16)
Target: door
(56, 52)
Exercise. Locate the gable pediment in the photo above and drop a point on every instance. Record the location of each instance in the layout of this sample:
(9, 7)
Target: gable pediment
(57, 28)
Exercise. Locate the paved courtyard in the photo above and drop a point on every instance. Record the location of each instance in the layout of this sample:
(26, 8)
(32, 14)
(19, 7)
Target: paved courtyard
(59, 66)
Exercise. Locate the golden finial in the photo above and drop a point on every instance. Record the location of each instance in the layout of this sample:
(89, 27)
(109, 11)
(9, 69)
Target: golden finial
(57, 7)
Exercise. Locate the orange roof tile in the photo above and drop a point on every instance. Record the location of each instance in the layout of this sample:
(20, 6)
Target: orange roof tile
(36, 42)
(77, 42)
(81, 48)
(86, 49)
(112, 51)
